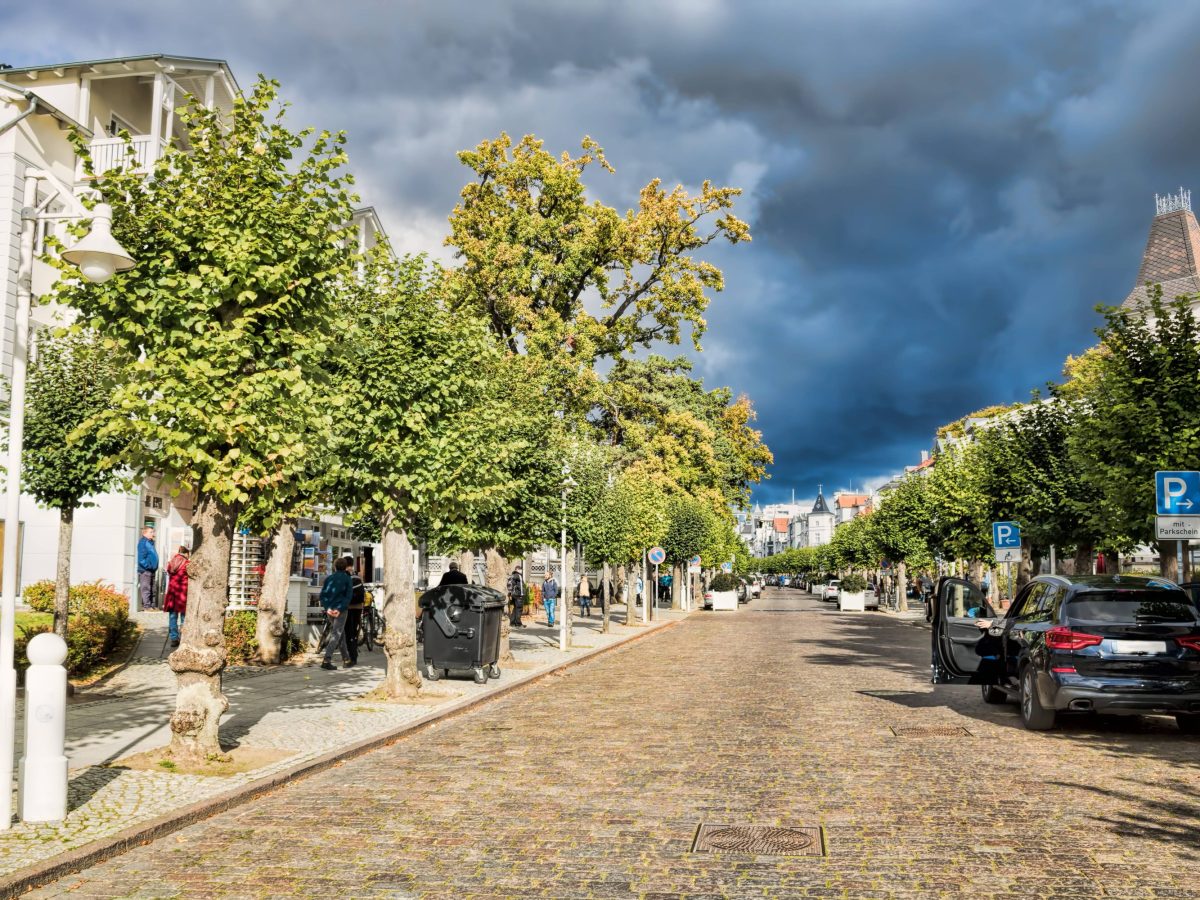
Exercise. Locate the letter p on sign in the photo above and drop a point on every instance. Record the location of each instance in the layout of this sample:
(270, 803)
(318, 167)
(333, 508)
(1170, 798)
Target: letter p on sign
(1177, 493)
(1006, 535)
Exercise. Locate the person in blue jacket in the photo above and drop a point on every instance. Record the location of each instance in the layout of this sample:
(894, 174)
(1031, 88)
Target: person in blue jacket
(336, 594)
(147, 566)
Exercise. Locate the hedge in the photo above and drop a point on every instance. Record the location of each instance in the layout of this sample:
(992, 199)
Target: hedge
(98, 623)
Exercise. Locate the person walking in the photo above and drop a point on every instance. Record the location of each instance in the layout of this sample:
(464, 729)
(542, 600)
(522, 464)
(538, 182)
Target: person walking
(549, 596)
(639, 590)
(516, 595)
(336, 594)
(175, 600)
(358, 597)
(452, 575)
(585, 596)
(147, 566)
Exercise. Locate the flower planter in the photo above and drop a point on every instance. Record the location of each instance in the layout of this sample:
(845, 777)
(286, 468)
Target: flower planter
(848, 602)
(725, 600)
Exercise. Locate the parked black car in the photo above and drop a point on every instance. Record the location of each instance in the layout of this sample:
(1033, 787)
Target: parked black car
(1111, 644)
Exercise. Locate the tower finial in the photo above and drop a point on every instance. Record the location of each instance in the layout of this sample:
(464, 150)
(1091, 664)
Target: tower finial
(1173, 202)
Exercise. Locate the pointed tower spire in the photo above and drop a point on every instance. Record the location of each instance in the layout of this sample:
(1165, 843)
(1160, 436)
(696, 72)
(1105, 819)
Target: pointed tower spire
(1172, 255)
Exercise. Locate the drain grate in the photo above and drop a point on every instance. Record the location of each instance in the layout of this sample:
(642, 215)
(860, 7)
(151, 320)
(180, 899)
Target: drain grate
(760, 840)
(930, 731)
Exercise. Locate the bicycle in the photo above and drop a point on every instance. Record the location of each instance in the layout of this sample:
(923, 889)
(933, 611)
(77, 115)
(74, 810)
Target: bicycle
(370, 629)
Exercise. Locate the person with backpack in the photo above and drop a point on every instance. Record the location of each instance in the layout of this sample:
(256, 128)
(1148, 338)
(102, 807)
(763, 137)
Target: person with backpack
(336, 595)
(354, 612)
(516, 594)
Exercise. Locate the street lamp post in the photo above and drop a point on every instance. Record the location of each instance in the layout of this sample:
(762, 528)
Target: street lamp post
(98, 256)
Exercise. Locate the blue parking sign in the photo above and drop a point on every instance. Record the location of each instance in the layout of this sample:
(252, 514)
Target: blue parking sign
(1177, 493)
(1006, 535)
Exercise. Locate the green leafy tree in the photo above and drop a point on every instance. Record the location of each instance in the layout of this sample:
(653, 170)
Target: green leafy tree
(1143, 414)
(240, 244)
(900, 527)
(419, 433)
(65, 461)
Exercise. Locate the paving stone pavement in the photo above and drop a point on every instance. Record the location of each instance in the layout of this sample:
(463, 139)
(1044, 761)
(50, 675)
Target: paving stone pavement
(299, 709)
(593, 784)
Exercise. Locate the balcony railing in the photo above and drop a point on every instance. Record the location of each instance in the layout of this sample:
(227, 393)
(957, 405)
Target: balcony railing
(110, 153)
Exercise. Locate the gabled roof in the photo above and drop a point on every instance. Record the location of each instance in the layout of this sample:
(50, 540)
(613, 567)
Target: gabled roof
(820, 506)
(849, 501)
(186, 61)
(1172, 252)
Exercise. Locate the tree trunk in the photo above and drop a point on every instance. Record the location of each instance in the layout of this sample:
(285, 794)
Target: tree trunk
(1082, 564)
(1186, 574)
(402, 680)
(902, 587)
(200, 659)
(567, 591)
(676, 585)
(62, 581)
(1024, 567)
(606, 595)
(975, 571)
(1168, 560)
(466, 565)
(272, 600)
(497, 578)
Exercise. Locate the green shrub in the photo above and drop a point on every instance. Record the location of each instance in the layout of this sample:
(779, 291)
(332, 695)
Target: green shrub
(39, 596)
(241, 638)
(723, 582)
(98, 624)
(853, 584)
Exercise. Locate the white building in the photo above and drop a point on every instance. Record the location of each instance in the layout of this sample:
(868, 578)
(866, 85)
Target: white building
(98, 98)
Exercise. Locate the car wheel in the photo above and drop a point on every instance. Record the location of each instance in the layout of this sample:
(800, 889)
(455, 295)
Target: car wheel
(1033, 715)
(993, 694)
(1188, 724)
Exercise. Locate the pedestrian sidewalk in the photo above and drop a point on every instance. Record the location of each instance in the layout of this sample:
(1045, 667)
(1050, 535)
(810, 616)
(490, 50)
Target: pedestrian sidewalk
(297, 709)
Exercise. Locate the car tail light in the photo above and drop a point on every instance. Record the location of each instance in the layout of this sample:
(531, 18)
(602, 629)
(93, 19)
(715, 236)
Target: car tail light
(1191, 643)
(1065, 639)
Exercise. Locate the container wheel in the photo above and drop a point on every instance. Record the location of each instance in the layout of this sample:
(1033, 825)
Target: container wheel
(480, 675)
(494, 672)
(431, 672)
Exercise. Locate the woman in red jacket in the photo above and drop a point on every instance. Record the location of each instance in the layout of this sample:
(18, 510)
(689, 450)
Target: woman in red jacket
(175, 601)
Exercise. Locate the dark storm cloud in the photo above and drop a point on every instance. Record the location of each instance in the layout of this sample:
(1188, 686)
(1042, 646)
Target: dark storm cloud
(939, 191)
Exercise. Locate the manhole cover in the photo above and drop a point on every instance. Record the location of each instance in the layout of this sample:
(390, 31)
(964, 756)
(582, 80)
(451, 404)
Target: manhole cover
(759, 840)
(930, 731)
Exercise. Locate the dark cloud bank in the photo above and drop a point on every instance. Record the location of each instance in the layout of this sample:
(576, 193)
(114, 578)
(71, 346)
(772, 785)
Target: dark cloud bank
(940, 192)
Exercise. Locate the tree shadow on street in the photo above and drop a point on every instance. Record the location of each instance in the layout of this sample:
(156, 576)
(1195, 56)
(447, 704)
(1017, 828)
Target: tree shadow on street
(1134, 815)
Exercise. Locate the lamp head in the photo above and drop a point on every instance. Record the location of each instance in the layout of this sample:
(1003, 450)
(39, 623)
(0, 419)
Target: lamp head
(97, 254)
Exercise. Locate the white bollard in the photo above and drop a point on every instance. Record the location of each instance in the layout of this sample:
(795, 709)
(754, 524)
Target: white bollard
(43, 770)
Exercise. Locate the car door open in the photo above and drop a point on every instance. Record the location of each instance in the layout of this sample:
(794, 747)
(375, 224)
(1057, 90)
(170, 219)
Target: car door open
(956, 632)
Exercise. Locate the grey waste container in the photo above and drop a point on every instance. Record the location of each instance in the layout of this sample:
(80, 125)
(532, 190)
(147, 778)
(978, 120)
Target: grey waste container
(461, 630)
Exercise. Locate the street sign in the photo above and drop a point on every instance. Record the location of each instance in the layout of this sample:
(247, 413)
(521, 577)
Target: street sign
(1177, 493)
(1177, 528)
(657, 556)
(726, 567)
(1006, 535)
(1008, 555)
(693, 570)
(695, 560)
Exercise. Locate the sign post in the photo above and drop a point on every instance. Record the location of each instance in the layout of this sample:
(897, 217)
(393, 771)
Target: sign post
(656, 555)
(1177, 511)
(1006, 540)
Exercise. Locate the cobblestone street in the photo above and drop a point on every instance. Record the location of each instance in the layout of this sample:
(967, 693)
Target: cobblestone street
(593, 783)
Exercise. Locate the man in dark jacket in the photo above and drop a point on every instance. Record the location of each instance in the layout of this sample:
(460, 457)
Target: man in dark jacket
(453, 576)
(516, 595)
(336, 594)
(358, 596)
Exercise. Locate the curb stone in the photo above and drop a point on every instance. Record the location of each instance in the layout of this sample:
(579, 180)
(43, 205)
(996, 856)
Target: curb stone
(41, 873)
